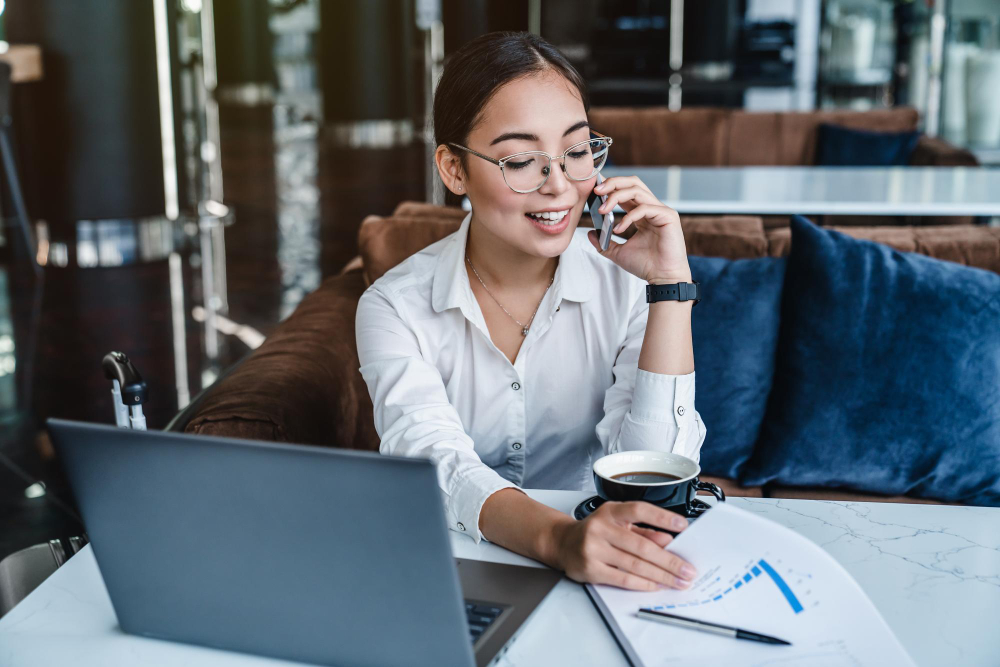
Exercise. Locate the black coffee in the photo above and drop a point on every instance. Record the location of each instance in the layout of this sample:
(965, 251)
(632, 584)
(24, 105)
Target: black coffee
(646, 477)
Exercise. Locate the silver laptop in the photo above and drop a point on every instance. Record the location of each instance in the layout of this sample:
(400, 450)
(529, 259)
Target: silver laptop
(323, 556)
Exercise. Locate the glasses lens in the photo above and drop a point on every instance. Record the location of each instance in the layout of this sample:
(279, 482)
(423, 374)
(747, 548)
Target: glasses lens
(526, 172)
(586, 159)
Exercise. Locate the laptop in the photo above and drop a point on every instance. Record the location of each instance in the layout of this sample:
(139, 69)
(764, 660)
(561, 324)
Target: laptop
(324, 556)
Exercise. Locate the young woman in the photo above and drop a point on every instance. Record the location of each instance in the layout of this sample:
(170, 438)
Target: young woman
(513, 352)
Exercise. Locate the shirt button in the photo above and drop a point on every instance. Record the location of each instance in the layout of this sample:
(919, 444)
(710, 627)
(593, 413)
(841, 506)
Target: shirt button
(680, 409)
(515, 386)
(461, 526)
(516, 445)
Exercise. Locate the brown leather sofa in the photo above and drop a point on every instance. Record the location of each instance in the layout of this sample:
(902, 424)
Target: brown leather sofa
(303, 386)
(711, 137)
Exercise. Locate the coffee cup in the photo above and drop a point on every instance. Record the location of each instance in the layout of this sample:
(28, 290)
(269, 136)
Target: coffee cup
(665, 479)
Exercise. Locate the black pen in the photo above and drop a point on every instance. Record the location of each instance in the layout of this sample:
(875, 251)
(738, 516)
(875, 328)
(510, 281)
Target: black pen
(705, 626)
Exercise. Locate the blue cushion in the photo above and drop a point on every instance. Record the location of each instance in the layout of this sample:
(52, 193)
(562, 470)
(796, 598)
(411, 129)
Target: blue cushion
(843, 147)
(735, 332)
(887, 378)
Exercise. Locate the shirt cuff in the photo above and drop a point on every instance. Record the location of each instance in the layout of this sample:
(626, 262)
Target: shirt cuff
(471, 492)
(661, 397)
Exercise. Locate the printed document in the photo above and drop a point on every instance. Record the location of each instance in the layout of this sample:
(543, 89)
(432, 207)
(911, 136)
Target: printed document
(757, 575)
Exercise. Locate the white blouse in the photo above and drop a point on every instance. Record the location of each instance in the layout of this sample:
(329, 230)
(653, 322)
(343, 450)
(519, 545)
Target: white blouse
(441, 389)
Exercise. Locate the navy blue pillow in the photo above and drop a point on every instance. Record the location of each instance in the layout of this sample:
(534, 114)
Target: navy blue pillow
(888, 374)
(843, 147)
(735, 332)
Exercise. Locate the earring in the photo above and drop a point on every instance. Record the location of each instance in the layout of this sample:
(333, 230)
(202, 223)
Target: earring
(460, 187)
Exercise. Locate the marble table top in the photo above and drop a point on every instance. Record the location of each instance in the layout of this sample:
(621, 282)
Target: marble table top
(823, 190)
(933, 572)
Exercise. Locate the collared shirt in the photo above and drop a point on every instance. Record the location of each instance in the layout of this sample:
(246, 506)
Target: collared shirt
(441, 389)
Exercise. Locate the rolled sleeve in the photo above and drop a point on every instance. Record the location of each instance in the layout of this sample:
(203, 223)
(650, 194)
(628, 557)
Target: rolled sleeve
(663, 411)
(470, 491)
(661, 397)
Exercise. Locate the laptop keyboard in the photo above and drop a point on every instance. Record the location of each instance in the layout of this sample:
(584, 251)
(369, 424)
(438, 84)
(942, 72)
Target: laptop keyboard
(481, 615)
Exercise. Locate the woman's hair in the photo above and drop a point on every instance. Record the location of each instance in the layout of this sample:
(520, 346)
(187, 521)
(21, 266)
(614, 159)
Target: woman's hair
(476, 71)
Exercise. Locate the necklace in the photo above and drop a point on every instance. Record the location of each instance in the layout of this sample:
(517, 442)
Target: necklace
(524, 327)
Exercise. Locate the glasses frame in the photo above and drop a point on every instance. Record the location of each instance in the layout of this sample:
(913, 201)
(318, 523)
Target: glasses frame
(562, 160)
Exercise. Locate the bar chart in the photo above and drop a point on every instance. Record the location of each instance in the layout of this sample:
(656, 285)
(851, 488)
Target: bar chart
(760, 569)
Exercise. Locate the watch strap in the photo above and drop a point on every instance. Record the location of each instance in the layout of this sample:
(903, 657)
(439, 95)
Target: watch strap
(674, 292)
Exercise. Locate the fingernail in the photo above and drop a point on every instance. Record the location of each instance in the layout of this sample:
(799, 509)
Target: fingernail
(680, 523)
(688, 572)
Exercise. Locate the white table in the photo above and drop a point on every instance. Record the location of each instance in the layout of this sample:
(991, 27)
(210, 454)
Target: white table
(823, 190)
(933, 572)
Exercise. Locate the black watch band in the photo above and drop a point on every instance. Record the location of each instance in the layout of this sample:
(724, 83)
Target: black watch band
(674, 292)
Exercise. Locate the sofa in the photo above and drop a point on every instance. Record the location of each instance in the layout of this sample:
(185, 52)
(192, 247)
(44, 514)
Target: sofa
(302, 384)
(716, 137)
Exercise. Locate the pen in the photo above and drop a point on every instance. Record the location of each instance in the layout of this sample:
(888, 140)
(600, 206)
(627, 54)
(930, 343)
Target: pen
(705, 626)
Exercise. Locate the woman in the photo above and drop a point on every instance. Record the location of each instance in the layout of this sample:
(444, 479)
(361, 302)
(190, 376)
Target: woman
(513, 352)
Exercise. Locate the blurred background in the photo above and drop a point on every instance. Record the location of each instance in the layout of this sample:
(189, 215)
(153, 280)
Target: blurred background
(179, 174)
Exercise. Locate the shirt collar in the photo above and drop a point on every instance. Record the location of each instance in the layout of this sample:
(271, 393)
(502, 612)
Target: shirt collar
(574, 280)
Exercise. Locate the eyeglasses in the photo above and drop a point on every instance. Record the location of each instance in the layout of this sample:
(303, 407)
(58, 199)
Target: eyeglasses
(526, 172)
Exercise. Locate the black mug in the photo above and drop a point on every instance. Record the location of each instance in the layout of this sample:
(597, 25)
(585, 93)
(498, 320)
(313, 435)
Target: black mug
(667, 480)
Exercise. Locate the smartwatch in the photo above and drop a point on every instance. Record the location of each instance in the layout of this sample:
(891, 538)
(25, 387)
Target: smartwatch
(674, 292)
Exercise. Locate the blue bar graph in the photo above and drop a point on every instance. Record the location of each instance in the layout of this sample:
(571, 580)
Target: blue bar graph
(762, 567)
(782, 586)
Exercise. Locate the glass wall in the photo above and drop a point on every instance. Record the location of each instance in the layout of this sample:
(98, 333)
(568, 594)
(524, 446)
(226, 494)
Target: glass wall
(941, 57)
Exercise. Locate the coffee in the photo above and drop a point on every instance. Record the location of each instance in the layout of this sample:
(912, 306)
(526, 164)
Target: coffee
(646, 477)
(664, 479)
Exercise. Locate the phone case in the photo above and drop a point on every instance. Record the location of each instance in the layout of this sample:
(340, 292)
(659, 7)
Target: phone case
(605, 222)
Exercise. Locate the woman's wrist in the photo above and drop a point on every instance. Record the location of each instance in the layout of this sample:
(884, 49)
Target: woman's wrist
(670, 279)
(512, 519)
(550, 540)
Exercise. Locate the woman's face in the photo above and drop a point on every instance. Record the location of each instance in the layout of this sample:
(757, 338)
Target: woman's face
(545, 113)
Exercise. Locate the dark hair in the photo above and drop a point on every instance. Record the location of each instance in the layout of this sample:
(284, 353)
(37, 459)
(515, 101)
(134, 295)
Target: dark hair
(476, 71)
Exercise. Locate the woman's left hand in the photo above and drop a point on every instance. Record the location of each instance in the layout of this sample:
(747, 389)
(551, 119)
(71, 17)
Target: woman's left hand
(656, 252)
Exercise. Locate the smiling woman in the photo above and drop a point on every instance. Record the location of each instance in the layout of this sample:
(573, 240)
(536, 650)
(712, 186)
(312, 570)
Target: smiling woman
(514, 352)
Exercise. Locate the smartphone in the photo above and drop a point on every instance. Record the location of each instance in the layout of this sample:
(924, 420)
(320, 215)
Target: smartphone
(605, 222)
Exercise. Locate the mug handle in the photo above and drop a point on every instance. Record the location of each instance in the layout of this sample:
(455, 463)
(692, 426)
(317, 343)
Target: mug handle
(714, 489)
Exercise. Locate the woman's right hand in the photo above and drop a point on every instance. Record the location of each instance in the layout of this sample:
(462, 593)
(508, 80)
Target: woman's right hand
(608, 548)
